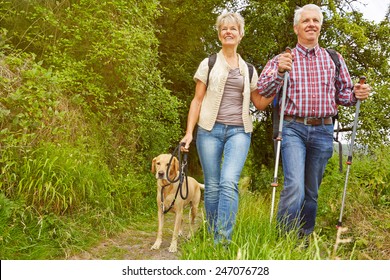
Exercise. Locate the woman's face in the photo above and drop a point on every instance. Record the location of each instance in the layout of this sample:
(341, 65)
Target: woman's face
(229, 34)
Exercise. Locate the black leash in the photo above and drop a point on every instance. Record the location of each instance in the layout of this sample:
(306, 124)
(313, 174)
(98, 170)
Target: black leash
(183, 168)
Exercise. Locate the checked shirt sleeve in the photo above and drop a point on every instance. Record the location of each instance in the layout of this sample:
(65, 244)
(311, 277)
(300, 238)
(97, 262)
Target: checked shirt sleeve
(345, 95)
(270, 82)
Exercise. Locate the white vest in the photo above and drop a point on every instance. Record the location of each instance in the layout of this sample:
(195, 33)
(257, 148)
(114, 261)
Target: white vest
(217, 79)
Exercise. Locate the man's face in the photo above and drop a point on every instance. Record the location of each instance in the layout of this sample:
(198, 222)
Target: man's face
(308, 28)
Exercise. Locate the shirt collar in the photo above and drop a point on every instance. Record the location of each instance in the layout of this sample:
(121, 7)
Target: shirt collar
(308, 52)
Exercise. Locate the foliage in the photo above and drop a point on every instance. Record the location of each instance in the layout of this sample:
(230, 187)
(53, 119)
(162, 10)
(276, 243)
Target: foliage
(81, 104)
(29, 101)
(261, 154)
(363, 45)
(187, 35)
(114, 81)
(91, 91)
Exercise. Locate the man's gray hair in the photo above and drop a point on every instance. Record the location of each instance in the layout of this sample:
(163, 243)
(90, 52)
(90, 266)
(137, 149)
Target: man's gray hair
(311, 7)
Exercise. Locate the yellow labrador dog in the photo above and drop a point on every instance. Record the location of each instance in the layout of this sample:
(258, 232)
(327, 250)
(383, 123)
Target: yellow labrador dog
(166, 193)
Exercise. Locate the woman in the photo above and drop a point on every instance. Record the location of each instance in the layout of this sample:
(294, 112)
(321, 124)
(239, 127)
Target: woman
(220, 108)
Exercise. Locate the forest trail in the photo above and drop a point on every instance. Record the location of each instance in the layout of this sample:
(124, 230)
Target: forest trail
(135, 242)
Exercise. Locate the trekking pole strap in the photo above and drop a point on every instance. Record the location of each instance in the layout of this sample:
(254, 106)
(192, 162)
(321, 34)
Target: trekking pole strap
(281, 118)
(355, 123)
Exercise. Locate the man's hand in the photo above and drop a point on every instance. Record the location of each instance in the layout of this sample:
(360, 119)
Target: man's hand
(362, 91)
(285, 61)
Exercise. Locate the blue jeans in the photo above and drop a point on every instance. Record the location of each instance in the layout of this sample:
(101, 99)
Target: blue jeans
(305, 152)
(222, 153)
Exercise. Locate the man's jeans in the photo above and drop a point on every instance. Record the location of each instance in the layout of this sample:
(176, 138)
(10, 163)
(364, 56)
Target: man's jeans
(305, 152)
(222, 153)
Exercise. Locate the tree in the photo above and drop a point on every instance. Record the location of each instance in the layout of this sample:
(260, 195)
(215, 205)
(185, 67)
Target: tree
(187, 35)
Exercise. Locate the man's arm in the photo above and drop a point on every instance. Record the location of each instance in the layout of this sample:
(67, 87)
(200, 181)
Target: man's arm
(270, 81)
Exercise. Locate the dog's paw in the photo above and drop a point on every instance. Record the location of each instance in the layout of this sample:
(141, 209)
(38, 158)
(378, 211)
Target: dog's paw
(173, 248)
(156, 246)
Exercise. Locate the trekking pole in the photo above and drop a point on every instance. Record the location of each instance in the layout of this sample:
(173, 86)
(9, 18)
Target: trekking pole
(349, 160)
(274, 184)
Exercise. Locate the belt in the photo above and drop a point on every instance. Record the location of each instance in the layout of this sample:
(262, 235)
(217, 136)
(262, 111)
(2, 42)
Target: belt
(309, 120)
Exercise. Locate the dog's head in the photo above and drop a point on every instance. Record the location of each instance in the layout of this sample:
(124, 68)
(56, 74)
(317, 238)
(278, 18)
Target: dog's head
(160, 164)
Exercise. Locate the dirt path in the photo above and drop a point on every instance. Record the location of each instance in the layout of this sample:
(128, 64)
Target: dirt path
(135, 243)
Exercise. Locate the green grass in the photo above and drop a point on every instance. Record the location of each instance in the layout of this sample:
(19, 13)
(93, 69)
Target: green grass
(365, 221)
(27, 235)
(254, 237)
(29, 231)
(55, 201)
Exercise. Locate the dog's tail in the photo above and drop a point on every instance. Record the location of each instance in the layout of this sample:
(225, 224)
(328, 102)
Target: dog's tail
(201, 186)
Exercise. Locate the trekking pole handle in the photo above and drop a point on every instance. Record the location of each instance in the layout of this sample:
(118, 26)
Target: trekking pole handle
(362, 81)
(288, 50)
(279, 136)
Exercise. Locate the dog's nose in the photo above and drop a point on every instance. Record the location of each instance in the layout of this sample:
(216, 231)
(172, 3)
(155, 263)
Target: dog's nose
(161, 174)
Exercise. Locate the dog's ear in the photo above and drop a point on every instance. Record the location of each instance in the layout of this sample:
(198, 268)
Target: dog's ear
(154, 165)
(173, 168)
(176, 161)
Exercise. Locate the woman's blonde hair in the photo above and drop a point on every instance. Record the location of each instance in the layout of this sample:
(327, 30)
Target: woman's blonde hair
(235, 18)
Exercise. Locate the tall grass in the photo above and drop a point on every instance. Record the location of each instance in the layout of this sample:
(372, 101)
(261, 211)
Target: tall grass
(56, 179)
(61, 179)
(254, 238)
(55, 200)
(27, 234)
(365, 233)
(366, 213)
(32, 228)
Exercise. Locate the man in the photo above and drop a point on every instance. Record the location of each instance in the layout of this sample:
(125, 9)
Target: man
(313, 94)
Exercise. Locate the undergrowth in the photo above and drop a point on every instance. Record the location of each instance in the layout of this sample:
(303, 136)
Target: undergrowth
(365, 225)
(56, 200)
(30, 232)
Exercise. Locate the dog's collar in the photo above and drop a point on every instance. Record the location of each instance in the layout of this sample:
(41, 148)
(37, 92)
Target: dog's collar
(169, 182)
(177, 191)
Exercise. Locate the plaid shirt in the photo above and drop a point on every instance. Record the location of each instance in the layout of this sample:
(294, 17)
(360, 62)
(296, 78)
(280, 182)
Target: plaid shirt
(312, 84)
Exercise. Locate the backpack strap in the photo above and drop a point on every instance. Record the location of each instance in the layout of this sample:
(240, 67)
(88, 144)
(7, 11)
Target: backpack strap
(250, 69)
(335, 58)
(213, 58)
(333, 54)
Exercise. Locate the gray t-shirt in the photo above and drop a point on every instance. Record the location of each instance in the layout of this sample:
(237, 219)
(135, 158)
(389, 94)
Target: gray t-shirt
(230, 110)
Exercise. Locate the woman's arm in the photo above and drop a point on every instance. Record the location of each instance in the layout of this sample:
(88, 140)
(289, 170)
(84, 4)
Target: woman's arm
(260, 101)
(193, 114)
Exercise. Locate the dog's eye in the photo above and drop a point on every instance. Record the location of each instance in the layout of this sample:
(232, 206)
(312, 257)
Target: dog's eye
(158, 163)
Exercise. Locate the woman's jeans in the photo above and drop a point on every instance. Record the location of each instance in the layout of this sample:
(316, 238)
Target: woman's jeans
(222, 153)
(305, 152)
